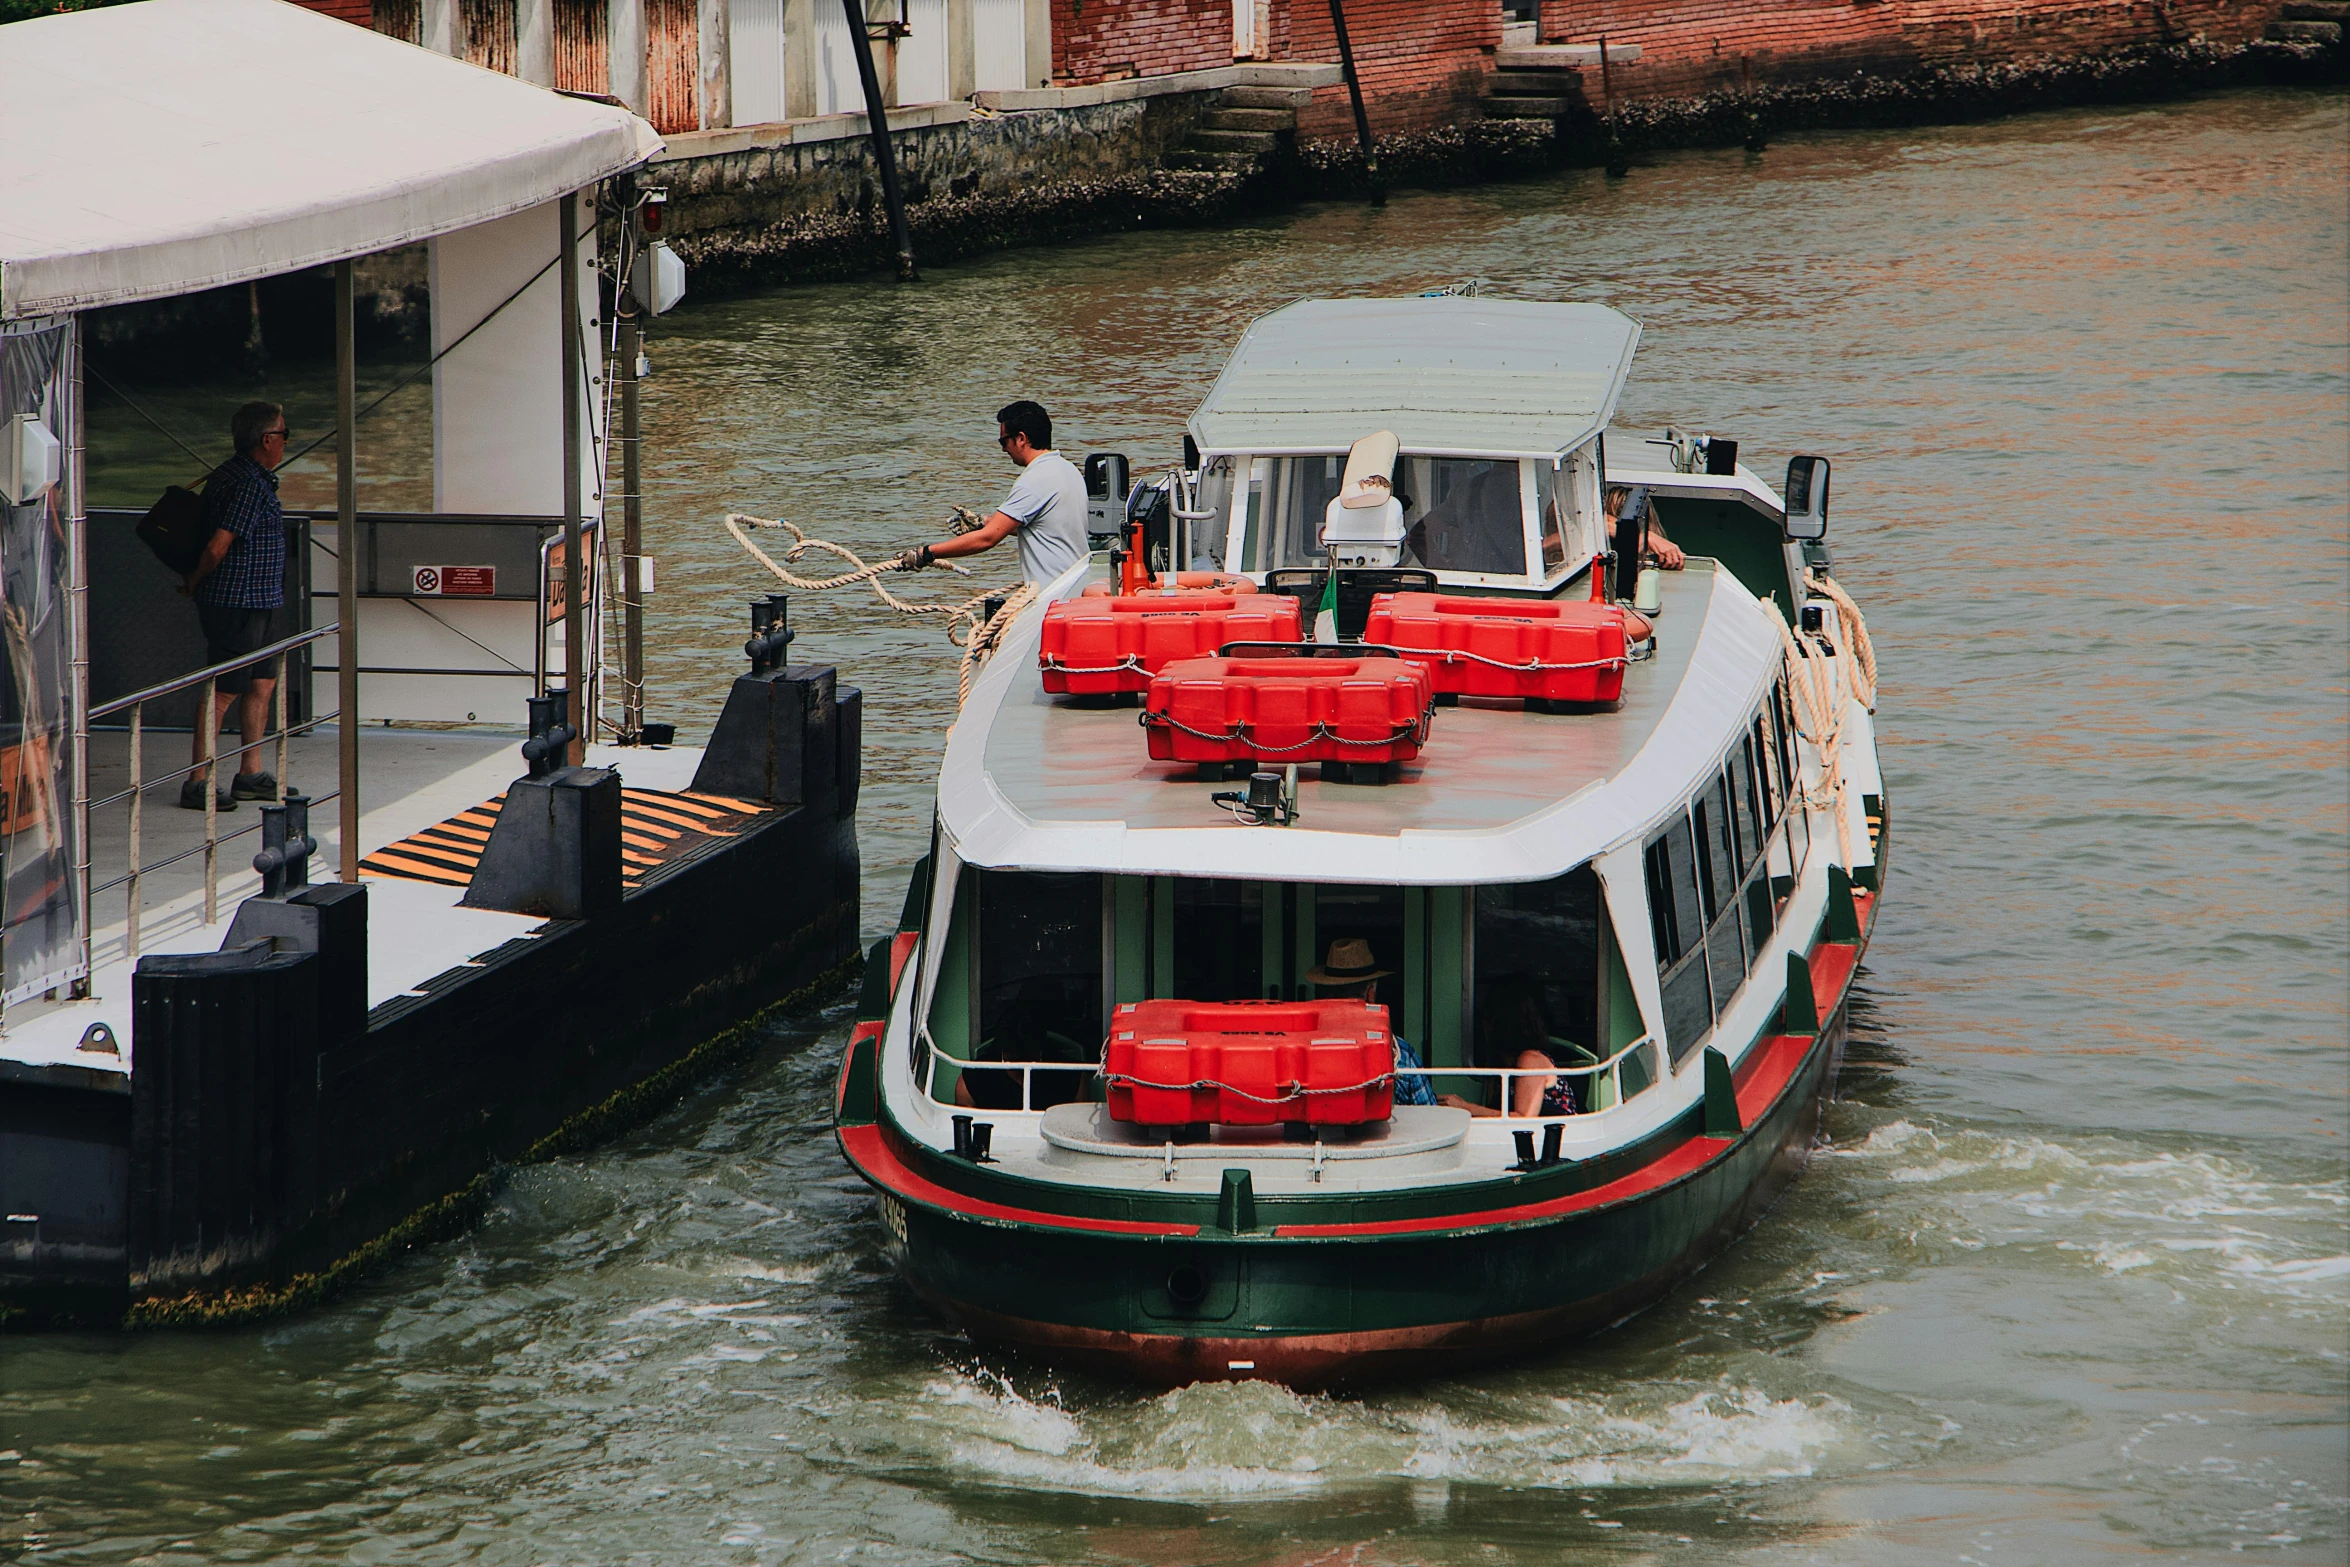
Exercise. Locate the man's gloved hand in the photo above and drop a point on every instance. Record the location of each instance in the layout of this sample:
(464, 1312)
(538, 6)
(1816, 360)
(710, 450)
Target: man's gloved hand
(914, 559)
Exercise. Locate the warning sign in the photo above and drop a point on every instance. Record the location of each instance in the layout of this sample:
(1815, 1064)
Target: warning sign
(457, 582)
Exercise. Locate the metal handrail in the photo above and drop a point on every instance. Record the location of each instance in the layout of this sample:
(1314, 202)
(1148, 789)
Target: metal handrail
(206, 681)
(215, 671)
(1509, 1075)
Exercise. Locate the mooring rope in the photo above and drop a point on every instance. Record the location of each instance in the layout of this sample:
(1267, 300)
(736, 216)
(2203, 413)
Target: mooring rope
(985, 630)
(1810, 674)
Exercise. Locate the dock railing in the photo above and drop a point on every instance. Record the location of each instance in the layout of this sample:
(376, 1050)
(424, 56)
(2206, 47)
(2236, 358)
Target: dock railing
(206, 767)
(1608, 1083)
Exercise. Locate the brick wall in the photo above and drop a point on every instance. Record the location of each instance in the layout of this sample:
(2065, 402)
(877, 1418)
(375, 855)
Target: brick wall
(1693, 46)
(1422, 62)
(361, 12)
(1097, 40)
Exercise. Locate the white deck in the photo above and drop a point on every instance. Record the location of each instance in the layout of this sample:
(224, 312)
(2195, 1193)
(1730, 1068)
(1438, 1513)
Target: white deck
(409, 780)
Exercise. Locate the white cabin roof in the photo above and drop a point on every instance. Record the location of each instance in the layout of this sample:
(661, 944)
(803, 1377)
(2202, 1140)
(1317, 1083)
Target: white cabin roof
(178, 145)
(1455, 375)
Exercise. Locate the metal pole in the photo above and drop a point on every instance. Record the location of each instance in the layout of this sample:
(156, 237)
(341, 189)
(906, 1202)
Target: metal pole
(884, 155)
(574, 579)
(77, 625)
(346, 574)
(632, 519)
(138, 787)
(208, 725)
(1354, 91)
(280, 698)
(1616, 163)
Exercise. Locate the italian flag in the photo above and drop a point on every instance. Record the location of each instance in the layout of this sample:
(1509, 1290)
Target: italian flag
(1326, 613)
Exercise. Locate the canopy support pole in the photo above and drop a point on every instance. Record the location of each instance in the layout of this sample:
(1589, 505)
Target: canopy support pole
(574, 583)
(346, 573)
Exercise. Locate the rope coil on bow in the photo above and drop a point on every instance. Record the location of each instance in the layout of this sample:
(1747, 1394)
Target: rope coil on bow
(969, 625)
(1810, 674)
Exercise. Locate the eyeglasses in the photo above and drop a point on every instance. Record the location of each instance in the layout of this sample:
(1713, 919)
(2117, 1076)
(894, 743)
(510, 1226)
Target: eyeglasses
(1005, 440)
(281, 432)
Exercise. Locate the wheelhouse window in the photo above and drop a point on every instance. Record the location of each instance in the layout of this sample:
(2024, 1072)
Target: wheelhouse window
(1460, 514)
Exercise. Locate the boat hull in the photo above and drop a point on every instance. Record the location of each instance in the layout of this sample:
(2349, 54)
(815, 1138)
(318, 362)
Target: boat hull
(1320, 1311)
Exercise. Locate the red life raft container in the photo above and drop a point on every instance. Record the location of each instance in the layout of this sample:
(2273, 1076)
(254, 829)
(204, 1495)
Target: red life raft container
(1553, 650)
(1281, 710)
(1250, 1063)
(1090, 646)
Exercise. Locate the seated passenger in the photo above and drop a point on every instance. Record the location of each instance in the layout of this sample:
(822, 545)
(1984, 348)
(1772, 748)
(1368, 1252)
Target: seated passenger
(1655, 546)
(1348, 972)
(1511, 1025)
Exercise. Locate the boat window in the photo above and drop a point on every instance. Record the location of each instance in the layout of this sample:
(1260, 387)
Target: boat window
(1717, 856)
(1744, 814)
(1206, 539)
(1373, 915)
(1679, 925)
(1761, 907)
(1783, 733)
(1766, 773)
(1220, 941)
(1538, 969)
(1040, 975)
(1301, 490)
(1461, 514)
(1564, 497)
(1464, 514)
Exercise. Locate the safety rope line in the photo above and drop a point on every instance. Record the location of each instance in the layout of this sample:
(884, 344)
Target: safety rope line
(1850, 623)
(980, 632)
(1292, 1090)
(1418, 733)
(1535, 667)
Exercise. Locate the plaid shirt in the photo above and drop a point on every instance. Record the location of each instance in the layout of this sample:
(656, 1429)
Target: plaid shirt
(242, 498)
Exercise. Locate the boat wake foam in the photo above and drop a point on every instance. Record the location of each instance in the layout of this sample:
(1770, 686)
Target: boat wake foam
(2199, 1221)
(1235, 1440)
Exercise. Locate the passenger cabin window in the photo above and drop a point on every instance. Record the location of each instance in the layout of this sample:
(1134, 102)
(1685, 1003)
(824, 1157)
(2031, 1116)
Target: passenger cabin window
(1039, 983)
(1460, 514)
(1677, 919)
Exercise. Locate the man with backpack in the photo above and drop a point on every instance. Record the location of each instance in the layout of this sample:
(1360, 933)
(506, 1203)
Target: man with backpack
(239, 584)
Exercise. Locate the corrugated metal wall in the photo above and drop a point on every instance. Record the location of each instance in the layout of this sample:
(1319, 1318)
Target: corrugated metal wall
(673, 66)
(489, 34)
(583, 61)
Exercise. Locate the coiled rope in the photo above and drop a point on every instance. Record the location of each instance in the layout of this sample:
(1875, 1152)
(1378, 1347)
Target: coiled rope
(969, 624)
(1810, 673)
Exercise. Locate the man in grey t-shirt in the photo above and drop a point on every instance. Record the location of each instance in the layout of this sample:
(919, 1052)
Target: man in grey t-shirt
(1046, 508)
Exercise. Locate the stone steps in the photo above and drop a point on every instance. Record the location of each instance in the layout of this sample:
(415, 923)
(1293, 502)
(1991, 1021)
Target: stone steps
(1515, 108)
(1255, 142)
(1219, 162)
(1266, 97)
(1241, 129)
(1269, 121)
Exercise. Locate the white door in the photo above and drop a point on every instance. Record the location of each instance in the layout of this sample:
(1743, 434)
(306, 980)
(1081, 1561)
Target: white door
(1251, 23)
(837, 88)
(922, 53)
(754, 48)
(999, 38)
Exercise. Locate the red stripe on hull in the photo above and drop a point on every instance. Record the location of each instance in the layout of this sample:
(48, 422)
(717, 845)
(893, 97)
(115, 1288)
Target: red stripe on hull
(901, 947)
(879, 1163)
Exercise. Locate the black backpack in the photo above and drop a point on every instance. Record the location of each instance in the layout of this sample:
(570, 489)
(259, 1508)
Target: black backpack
(176, 529)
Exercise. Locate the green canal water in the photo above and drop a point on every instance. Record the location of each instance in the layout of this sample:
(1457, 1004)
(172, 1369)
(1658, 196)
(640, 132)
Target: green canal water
(2069, 1280)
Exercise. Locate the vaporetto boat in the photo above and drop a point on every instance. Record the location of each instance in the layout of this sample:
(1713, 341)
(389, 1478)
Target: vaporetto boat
(1394, 949)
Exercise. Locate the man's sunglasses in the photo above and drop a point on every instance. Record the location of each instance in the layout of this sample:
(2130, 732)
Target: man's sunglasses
(284, 433)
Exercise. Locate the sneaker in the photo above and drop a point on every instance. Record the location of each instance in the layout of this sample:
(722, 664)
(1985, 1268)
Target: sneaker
(254, 786)
(192, 797)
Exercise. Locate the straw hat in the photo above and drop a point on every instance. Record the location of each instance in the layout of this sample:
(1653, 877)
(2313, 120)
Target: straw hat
(1349, 963)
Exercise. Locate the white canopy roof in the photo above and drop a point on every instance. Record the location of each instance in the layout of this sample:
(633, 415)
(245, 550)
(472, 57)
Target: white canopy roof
(1457, 374)
(176, 145)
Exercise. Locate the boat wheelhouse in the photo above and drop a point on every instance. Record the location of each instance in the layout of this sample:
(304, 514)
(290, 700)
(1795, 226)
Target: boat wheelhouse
(1119, 1083)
